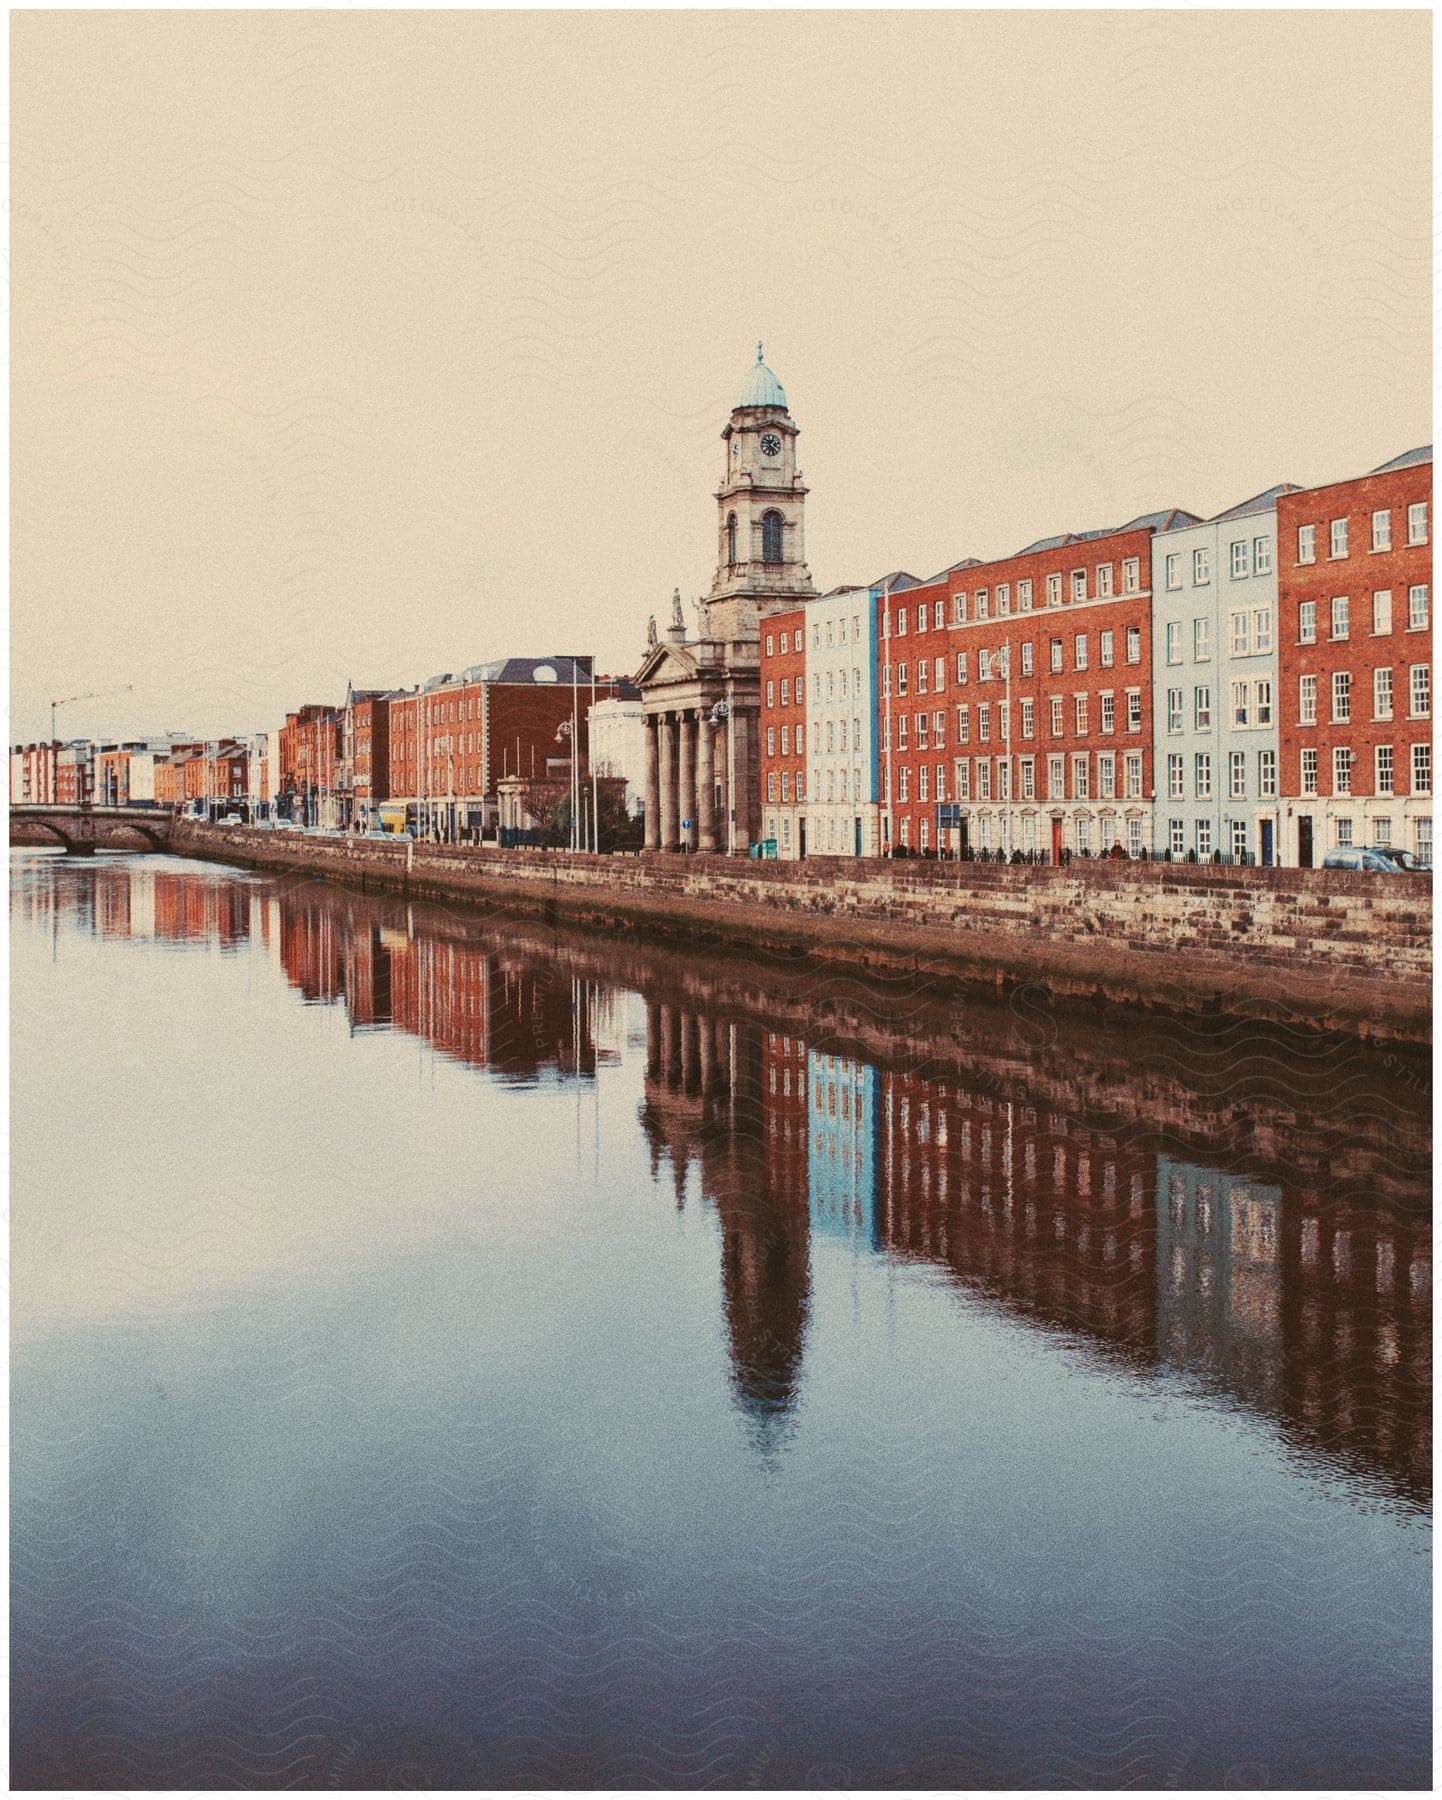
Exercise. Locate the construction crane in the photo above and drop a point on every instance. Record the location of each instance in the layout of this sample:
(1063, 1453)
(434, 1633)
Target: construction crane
(70, 700)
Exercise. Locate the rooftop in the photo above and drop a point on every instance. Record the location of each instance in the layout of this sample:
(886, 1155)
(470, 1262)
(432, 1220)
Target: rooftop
(761, 388)
(1407, 460)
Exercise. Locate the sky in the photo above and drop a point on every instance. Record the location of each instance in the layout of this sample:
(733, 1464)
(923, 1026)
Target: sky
(363, 346)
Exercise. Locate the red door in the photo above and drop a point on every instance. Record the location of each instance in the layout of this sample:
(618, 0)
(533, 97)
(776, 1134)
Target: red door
(1056, 840)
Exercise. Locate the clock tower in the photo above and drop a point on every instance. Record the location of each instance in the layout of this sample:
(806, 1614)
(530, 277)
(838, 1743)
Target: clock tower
(761, 552)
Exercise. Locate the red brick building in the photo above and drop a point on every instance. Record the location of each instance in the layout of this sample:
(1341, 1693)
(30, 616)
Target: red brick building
(307, 764)
(369, 747)
(32, 774)
(1017, 693)
(75, 774)
(783, 732)
(1355, 661)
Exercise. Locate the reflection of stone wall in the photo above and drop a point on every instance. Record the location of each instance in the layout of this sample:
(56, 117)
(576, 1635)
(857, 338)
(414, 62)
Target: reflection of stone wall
(1318, 946)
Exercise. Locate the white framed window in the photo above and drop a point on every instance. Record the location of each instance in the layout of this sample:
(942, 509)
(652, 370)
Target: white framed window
(1201, 640)
(1382, 613)
(1309, 771)
(1081, 777)
(983, 665)
(983, 603)
(1382, 692)
(1341, 696)
(1174, 640)
(1028, 719)
(1134, 775)
(1106, 655)
(1056, 778)
(1107, 777)
(1338, 539)
(1174, 569)
(1134, 643)
(1026, 659)
(1267, 774)
(1344, 833)
(1104, 581)
(1421, 768)
(1131, 575)
(1262, 692)
(1382, 769)
(1382, 831)
(963, 724)
(1078, 584)
(962, 771)
(1418, 611)
(1341, 617)
(961, 668)
(1202, 708)
(923, 783)
(1134, 709)
(1239, 840)
(1175, 778)
(1382, 529)
(1261, 556)
(1306, 543)
(1341, 770)
(983, 778)
(983, 724)
(1240, 640)
(901, 617)
(1419, 690)
(1240, 559)
(1055, 654)
(1307, 622)
(771, 740)
(1174, 709)
(1239, 703)
(1202, 772)
(958, 609)
(1417, 522)
(1108, 713)
(1028, 778)
(938, 617)
(1201, 566)
(1056, 724)
(1204, 839)
(1177, 837)
(770, 693)
(1023, 596)
(1053, 590)
(1003, 599)
(1261, 629)
(940, 783)
(1237, 775)
(1307, 700)
(1081, 714)
(770, 642)
(1079, 651)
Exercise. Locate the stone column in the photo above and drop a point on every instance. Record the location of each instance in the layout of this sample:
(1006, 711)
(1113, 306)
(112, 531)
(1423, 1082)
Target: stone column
(753, 774)
(653, 786)
(686, 778)
(706, 783)
(741, 777)
(666, 772)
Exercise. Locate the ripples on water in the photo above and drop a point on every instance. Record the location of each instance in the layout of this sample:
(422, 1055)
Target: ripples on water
(446, 1353)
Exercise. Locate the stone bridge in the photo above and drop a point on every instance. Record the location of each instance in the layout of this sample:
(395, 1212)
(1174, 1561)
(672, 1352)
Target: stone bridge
(85, 829)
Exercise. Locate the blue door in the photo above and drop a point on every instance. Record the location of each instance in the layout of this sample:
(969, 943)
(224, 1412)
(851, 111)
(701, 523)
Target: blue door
(1266, 843)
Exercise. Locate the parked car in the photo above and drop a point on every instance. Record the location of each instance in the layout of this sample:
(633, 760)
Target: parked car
(1353, 856)
(1402, 859)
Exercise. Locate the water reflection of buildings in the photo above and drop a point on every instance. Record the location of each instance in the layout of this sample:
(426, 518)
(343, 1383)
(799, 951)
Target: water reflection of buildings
(1310, 1306)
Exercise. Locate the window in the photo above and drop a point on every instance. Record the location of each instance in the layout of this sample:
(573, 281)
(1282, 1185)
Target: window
(1003, 599)
(1239, 840)
(938, 616)
(901, 617)
(1424, 839)
(1241, 563)
(1239, 703)
(1307, 700)
(1202, 708)
(1382, 530)
(1081, 777)
(1309, 771)
(901, 725)
(1023, 596)
(1107, 655)
(1081, 715)
(1174, 640)
(1078, 584)
(923, 672)
(921, 615)
(1341, 771)
(1204, 839)
(1104, 581)
(1201, 640)
(1109, 713)
(1202, 769)
(1056, 725)
(1264, 703)
(1306, 543)
(1174, 570)
(1421, 768)
(1382, 692)
(1237, 775)
(963, 724)
(958, 609)
(1241, 634)
(923, 783)
(1261, 628)
(938, 729)
(1028, 778)
(1267, 774)
(901, 672)
(1055, 777)
(1056, 656)
(771, 786)
(1201, 566)
(940, 782)
(771, 740)
(1261, 556)
(938, 675)
(1175, 778)
(1344, 833)
(1134, 775)
(1053, 590)
(1026, 663)
(1307, 622)
(1382, 771)
(923, 724)
(1419, 688)
(1339, 538)
(1134, 709)
(1341, 624)
(1341, 697)
(983, 778)
(1382, 613)
(1417, 611)
(1177, 837)
(961, 668)
(1131, 575)
(983, 665)
(1107, 777)
(904, 789)
(1382, 831)
(1174, 709)
(771, 693)
(1134, 643)
(770, 538)
(1028, 719)
(963, 780)
(983, 724)
(770, 641)
(1417, 522)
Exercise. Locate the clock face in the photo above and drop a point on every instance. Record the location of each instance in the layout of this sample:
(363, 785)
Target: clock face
(771, 444)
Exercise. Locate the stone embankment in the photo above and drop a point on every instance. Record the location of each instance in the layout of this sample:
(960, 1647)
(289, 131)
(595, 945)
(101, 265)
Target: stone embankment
(1325, 948)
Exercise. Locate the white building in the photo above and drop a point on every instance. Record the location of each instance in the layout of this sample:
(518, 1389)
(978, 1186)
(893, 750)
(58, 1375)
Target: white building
(617, 740)
(842, 812)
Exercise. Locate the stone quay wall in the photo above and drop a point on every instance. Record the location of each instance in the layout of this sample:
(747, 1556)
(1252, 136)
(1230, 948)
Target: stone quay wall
(1320, 948)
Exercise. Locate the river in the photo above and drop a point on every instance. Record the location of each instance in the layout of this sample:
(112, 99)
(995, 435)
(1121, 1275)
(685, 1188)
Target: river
(448, 1353)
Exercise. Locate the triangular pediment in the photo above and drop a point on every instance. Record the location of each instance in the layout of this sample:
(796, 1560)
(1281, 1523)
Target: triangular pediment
(666, 662)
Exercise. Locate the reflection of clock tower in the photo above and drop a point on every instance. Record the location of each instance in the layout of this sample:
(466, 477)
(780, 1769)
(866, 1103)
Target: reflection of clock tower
(761, 561)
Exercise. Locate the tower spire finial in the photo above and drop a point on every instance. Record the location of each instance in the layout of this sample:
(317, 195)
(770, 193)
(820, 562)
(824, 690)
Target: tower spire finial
(758, 349)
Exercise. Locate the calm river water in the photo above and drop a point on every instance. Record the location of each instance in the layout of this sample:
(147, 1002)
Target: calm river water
(448, 1353)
